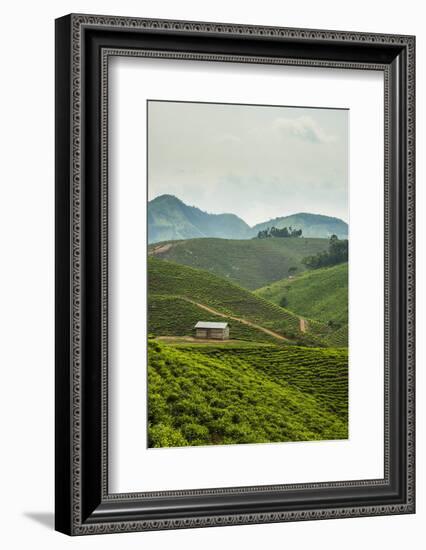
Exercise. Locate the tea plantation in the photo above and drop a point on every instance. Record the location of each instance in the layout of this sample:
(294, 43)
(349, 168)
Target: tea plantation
(178, 281)
(320, 294)
(250, 263)
(253, 393)
(322, 373)
(270, 382)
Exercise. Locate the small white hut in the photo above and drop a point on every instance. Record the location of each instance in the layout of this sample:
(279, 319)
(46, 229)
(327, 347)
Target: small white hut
(213, 330)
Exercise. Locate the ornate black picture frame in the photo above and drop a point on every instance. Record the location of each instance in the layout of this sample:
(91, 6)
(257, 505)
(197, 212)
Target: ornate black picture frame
(84, 44)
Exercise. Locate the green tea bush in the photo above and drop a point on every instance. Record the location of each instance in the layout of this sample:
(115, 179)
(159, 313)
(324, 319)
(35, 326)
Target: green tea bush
(212, 394)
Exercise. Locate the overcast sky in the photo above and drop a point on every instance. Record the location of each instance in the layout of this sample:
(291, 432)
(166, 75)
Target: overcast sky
(256, 162)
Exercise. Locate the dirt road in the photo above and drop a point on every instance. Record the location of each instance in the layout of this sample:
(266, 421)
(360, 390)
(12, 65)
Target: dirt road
(160, 249)
(239, 319)
(303, 325)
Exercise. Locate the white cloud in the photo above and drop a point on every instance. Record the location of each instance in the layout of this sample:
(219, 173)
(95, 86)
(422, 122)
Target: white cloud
(257, 162)
(304, 128)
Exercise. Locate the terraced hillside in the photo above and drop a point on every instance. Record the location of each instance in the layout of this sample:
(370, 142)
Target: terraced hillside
(211, 394)
(251, 263)
(320, 372)
(320, 294)
(338, 338)
(212, 296)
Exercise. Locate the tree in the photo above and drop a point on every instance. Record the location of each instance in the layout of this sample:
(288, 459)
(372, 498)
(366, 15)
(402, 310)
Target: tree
(337, 253)
(283, 302)
(263, 234)
(281, 233)
(292, 270)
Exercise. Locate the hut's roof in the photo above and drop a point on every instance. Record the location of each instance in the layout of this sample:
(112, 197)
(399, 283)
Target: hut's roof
(208, 324)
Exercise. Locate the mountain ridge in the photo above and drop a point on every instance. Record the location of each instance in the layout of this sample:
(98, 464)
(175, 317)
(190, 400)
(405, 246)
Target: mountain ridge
(312, 225)
(169, 218)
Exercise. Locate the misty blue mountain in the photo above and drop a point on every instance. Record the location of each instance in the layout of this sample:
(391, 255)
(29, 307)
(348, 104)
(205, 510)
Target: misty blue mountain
(312, 225)
(171, 219)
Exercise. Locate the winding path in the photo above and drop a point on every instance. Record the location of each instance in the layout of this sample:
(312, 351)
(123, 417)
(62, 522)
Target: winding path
(303, 324)
(239, 319)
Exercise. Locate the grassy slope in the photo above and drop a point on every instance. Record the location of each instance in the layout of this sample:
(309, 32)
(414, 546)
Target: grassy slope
(251, 263)
(170, 279)
(201, 395)
(320, 294)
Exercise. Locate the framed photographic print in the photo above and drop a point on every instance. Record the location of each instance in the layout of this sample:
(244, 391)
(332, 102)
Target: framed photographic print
(234, 274)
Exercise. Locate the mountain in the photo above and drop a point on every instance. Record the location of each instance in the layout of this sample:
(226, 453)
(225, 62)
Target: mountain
(251, 263)
(312, 225)
(171, 219)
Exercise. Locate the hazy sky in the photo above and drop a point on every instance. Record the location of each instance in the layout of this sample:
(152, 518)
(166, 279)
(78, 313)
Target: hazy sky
(256, 162)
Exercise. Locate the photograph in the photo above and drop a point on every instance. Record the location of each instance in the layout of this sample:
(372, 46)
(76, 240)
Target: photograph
(234, 276)
(247, 273)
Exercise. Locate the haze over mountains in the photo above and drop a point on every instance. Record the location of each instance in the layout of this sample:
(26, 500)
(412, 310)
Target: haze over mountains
(312, 225)
(171, 219)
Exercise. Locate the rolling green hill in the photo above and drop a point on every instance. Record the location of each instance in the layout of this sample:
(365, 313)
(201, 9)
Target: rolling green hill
(312, 225)
(320, 294)
(170, 219)
(167, 279)
(204, 395)
(250, 263)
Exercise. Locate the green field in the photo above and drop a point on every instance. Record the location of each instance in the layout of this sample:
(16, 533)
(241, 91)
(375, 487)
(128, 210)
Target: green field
(320, 294)
(167, 279)
(251, 263)
(250, 393)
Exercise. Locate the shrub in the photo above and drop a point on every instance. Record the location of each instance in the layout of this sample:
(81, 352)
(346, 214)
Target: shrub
(165, 436)
(195, 432)
(284, 302)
